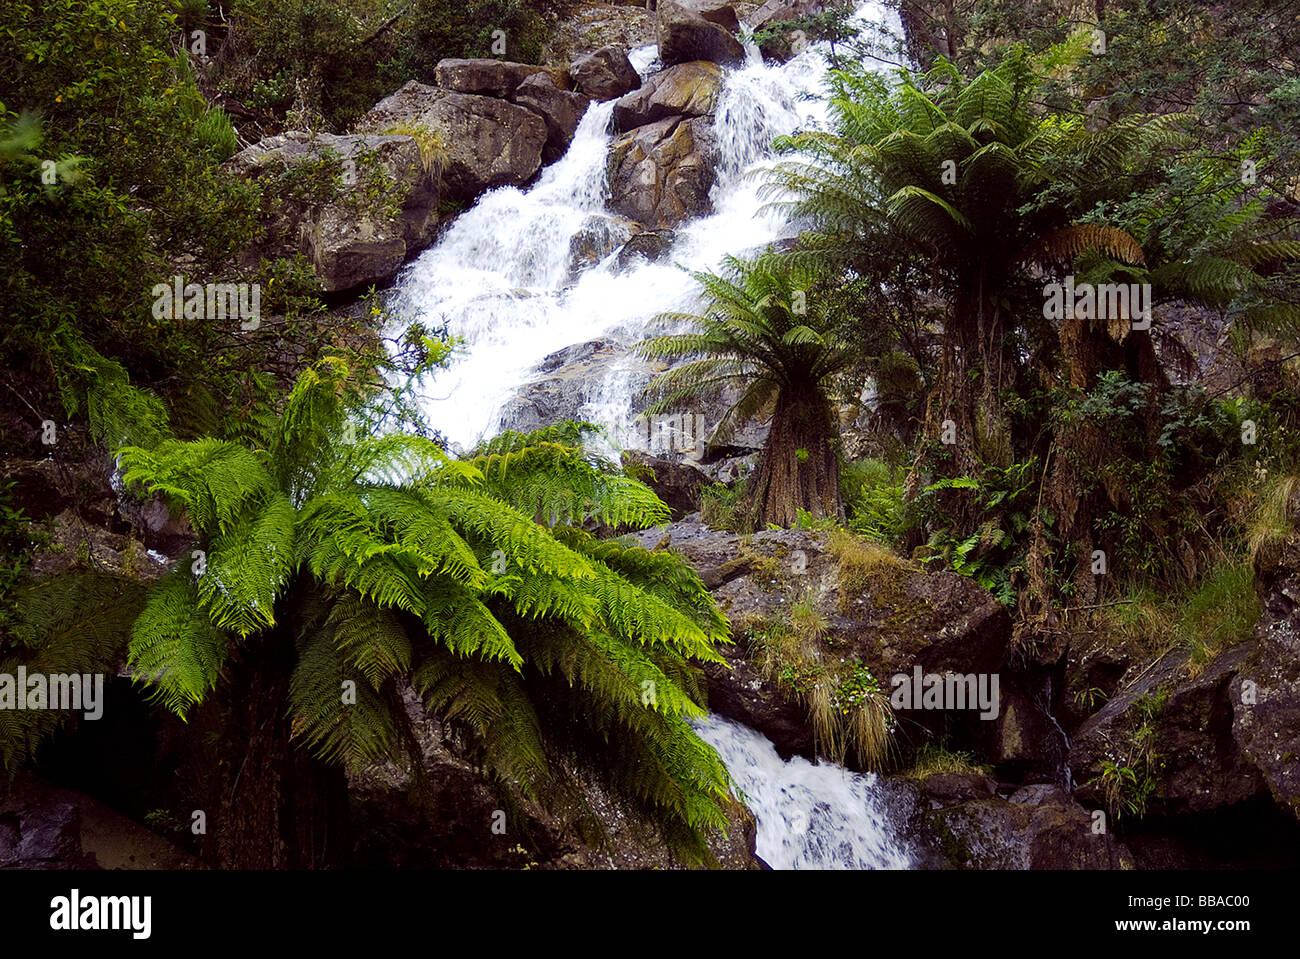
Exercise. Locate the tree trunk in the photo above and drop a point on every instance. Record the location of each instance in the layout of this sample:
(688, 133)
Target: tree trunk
(953, 412)
(278, 807)
(799, 466)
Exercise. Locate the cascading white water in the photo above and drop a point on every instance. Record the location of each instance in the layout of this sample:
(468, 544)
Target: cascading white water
(810, 816)
(499, 277)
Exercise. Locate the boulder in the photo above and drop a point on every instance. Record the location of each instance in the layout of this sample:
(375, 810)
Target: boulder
(945, 789)
(723, 14)
(882, 610)
(1189, 719)
(490, 78)
(349, 242)
(605, 74)
(43, 826)
(488, 142)
(677, 484)
(598, 237)
(568, 380)
(660, 174)
(1026, 744)
(650, 245)
(778, 11)
(686, 34)
(1038, 828)
(560, 110)
(1265, 696)
(686, 90)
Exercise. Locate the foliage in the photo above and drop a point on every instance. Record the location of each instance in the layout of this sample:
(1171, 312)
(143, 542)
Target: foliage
(994, 555)
(1214, 613)
(384, 561)
(767, 330)
(932, 758)
(1128, 780)
(337, 61)
(847, 705)
(873, 491)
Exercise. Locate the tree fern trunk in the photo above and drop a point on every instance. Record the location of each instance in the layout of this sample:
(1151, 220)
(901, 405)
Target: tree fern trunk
(278, 808)
(799, 467)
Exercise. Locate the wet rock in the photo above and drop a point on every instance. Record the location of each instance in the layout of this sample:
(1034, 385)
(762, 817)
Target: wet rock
(561, 111)
(660, 174)
(442, 818)
(650, 245)
(780, 45)
(605, 74)
(569, 380)
(687, 34)
(777, 11)
(75, 544)
(349, 243)
(487, 77)
(597, 238)
(1046, 829)
(488, 142)
(1025, 741)
(686, 90)
(1266, 713)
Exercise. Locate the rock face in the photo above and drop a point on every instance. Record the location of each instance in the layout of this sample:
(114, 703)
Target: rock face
(590, 25)
(1266, 713)
(686, 34)
(489, 142)
(1039, 827)
(677, 484)
(567, 380)
(43, 826)
(560, 110)
(491, 78)
(776, 11)
(650, 245)
(597, 238)
(888, 613)
(686, 90)
(660, 174)
(348, 244)
(605, 74)
(1201, 767)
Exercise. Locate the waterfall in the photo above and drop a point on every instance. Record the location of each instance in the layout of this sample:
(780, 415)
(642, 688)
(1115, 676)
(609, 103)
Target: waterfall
(503, 281)
(810, 816)
(499, 277)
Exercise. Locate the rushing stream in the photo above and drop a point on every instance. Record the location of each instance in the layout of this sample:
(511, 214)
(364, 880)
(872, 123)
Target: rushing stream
(810, 816)
(499, 276)
(500, 279)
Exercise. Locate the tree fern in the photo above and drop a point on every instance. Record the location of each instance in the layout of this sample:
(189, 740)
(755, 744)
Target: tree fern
(387, 562)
